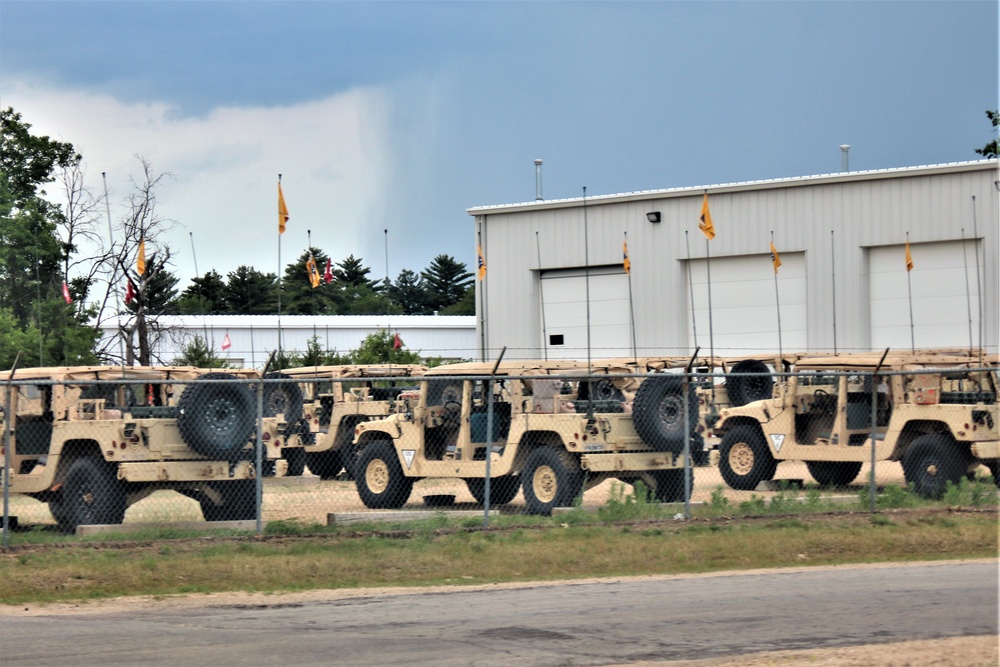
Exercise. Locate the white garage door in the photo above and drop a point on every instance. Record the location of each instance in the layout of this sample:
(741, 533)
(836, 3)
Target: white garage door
(744, 304)
(944, 291)
(564, 303)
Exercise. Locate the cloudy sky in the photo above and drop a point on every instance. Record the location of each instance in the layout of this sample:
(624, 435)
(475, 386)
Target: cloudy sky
(399, 116)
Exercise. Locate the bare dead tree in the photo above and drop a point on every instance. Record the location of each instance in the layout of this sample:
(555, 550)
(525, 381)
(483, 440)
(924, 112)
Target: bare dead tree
(79, 225)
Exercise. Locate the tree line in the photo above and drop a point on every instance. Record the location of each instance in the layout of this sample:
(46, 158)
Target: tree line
(68, 269)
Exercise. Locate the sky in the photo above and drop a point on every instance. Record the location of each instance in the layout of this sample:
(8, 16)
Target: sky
(387, 120)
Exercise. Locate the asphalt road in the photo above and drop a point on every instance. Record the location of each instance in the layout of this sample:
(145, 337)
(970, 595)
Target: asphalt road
(593, 623)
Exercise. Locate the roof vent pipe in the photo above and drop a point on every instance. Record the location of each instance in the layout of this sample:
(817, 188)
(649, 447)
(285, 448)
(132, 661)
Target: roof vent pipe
(844, 148)
(538, 180)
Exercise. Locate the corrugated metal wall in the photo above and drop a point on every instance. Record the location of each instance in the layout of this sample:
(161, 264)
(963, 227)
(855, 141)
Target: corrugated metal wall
(831, 219)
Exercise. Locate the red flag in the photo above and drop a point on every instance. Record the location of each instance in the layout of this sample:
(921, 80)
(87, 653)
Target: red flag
(328, 272)
(129, 293)
(66, 295)
(226, 343)
(397, 342)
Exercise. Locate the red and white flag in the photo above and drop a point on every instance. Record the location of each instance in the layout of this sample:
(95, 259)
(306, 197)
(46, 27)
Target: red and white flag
(226, 343)
(328, 272)
(397, 342)
(129, 293)
(66, 295)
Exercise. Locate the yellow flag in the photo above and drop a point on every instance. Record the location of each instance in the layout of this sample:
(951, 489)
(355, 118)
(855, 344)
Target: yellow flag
(706, 226)
(282, 211)
(313, 270)
(482, 262)
(140, 261)
(909, 258)
(625, 260)
(775, 259)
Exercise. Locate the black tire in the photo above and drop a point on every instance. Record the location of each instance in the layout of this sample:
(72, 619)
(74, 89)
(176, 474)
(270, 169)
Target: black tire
(344, 444)
(440, 392)
(605, 390)
(551, 478)
(743, 389)
(658, 412)
(379, 477)
(931, 461)
(91, 494)
(834, 473)
(670, 485)
(700, 457)
(502, 489)
(995, 471)
(239, 501)
(215, 419)
(296, 457)
(325, 465)
(284, 398)
(744, 459)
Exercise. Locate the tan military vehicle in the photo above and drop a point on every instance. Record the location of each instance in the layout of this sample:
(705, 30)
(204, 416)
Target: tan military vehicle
(334, 400)
(556, 430)
(92, 441)
(935, 413)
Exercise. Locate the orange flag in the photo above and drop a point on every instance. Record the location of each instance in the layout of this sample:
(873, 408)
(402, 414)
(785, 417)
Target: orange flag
(482, 262)
(909, 258)
(282, 211)
(625, 260)
(775, 259)
(706, 226)
(140, 261)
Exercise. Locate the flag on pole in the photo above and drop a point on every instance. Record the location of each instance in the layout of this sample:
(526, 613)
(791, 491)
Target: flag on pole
(140, 261)
(909, 258)
(129, 293)
(706, 226)
(282, 211)
(482, 262)
(775, 259)
(65, 292)
(226, 343)
(314, 278)
(397, 342)
(625, 260)
(328, 272)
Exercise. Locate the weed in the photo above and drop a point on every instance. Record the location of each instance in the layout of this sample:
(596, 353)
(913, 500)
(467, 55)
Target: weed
(882, 520)
(719, 501)
(756, 505)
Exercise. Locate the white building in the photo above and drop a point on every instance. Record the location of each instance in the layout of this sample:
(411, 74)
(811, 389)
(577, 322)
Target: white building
(555, 285)
(253, 337)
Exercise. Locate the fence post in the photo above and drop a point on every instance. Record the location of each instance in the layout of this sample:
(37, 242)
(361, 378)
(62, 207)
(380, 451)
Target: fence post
(259, 446)
(872, 436)
(489, 451)
(7, 416)
(688, 472)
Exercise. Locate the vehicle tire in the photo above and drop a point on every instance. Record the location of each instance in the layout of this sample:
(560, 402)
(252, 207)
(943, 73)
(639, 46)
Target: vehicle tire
(91, 494)
(658, 412)
(296, 457)
(995, 471)
(440, 392)
(284, 398)
(345, 445)
(834, 473)
(239, 501)
(744, 459)
(931, 461)
(325, 465)
(502, 489)
(605, 390)
(700, 457)
(670, 485)
(216, 420)
(747, 389)
(551, 478)
(379, 477)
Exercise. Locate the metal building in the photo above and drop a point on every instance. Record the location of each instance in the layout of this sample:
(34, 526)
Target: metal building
(555, 284)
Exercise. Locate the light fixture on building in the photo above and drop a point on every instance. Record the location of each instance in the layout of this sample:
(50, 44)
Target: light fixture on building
(653, 216)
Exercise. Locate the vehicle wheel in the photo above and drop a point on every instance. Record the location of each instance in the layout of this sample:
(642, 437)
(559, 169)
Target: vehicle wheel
(379, 477)
(931, 461)
(743, 389)
(284, 398)
(239, 501)
(502, 489)
(440, 392)
(670, 485)
(325, 465)
(995, 471)
(345, 445)
(700, 456)
(296, 457)
(605, 390)
(551, 478)
(834, 473)
(744, 459)
(91, 494)
(215, 419)
(658, 412)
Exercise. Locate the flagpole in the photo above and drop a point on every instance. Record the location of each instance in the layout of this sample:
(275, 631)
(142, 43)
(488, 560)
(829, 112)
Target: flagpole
(279, 273)
(204, 322)
(385, 233)
(777, 300)
(968, 294)
(694, 320)
(833, 272)
(541, 299)
(979, 287)
(586, 270)
(909, 291)
(114, 272)
(631, 308)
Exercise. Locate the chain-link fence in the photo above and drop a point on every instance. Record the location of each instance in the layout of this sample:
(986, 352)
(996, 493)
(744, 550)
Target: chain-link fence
(162, 446)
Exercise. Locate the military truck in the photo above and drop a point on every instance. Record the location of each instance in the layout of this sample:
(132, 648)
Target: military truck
(92, 441)
(335, 399)
(556, 431)
(934, 413)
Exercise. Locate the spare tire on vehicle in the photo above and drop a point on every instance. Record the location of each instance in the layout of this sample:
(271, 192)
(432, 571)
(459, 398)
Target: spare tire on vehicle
(743, 389)
(282, 398)
(216, 419)
(658, 412)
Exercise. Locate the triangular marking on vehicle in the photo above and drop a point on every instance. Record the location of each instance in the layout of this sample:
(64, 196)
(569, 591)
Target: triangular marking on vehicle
(408, 455)
(778, 439)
